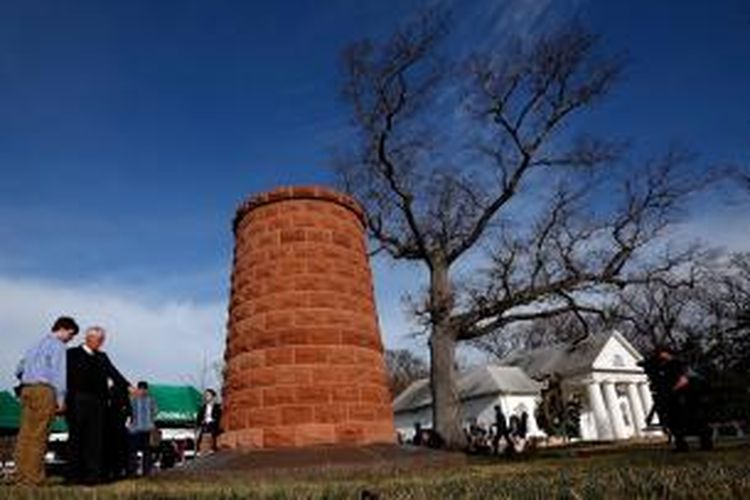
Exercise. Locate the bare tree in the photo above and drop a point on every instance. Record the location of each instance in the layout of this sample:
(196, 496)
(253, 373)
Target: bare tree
(479, 154)
(663, 312)
(404, 367)
(727, 304)
(207, 374)
(730, 343)
(562, 328)
(703, 303)
(707, 322)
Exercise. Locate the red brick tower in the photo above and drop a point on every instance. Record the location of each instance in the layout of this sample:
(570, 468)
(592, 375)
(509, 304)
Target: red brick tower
(304, 357)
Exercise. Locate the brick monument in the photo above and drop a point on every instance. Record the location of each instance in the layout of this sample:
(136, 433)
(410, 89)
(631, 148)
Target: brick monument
(304, 358)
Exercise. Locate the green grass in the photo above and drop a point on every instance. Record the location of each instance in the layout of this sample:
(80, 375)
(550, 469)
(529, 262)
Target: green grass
(647, 473)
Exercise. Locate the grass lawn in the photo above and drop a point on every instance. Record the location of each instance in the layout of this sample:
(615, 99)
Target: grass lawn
(632, 472)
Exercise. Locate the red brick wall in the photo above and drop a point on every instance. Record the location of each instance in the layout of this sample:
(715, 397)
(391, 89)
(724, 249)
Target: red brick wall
(304, 357)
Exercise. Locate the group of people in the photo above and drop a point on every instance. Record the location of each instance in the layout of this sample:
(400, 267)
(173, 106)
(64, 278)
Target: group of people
(424, 437)
(111, 423)
(505, 435)
(108, 418)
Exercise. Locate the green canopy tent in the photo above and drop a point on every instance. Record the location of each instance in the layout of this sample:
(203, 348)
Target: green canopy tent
(10, 416)
(178, 405)
(10, 413)
(59, 425)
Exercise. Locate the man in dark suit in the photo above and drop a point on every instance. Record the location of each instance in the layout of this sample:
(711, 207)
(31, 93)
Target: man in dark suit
(116, 435)
(89, 375)
(208, 420)
(501, 430)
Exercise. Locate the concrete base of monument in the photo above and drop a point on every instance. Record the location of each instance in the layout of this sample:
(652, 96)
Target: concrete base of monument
(311, 461)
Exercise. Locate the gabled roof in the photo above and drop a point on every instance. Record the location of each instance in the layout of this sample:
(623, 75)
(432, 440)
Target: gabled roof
(414, 396)
(627, 345)
(480, 381)
(565, 359)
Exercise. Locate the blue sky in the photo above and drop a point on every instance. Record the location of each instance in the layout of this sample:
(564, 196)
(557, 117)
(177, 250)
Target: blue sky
(129, 132)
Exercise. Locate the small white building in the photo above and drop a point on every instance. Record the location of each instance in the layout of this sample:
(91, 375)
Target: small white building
(603, 373)
(480, 390)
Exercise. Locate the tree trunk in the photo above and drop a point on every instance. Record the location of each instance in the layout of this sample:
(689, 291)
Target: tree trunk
(446, 408)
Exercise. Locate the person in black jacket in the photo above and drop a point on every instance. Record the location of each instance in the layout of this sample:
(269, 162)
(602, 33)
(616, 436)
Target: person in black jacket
(680, 397)
(501, 430)
(208, 419)
(90, 373)
(116, 434)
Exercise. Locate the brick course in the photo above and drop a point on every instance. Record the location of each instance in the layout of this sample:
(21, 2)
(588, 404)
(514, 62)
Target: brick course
(304, 355)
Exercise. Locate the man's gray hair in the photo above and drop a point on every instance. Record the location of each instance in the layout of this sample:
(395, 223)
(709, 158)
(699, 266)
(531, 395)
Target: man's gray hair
(95, 331)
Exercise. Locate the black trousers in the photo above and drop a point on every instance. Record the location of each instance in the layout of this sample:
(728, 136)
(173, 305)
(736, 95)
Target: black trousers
(116, 447)
(212, 429)
(85, 416)
(140, 441)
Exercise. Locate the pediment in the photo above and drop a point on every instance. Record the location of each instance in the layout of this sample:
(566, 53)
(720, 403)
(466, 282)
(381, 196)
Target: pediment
(617, 354)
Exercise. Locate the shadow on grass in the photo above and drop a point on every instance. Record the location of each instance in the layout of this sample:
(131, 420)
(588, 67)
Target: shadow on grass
(643, 473)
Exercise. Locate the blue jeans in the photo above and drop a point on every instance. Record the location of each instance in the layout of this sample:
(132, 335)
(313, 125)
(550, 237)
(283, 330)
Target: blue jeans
(140, 441)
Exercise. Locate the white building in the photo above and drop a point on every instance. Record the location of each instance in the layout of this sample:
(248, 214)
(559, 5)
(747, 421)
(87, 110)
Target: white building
(601, 371)
(480, 390)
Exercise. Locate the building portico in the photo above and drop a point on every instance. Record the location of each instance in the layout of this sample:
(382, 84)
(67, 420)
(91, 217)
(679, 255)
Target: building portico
(616, 407)
(601, 373)
(604, 375)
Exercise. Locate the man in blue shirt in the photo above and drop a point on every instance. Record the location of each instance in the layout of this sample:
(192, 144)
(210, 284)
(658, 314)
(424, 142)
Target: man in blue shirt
(142, 425)
(42, 373)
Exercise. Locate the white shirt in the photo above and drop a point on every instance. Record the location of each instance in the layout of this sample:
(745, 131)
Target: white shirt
(208, 417)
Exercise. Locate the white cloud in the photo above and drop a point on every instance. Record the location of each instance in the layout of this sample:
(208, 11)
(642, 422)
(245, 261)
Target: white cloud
(497, 22)
(152, 335)
(725, 225)
(164, 341)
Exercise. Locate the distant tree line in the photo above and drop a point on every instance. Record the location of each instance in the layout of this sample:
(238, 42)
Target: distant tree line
(702, 311)
(404, 367)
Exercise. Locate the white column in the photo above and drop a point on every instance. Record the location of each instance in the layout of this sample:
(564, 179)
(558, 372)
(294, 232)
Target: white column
(639, 417)
(647, 400)
(533, 427)
(601, 417)
(615, 414)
